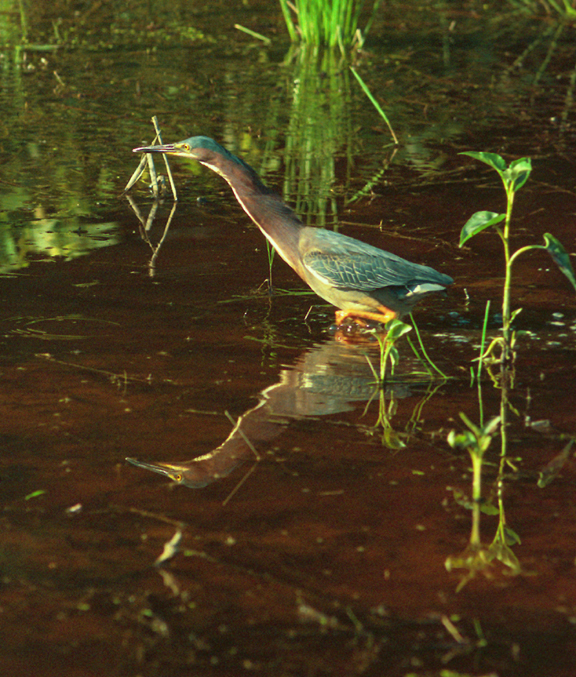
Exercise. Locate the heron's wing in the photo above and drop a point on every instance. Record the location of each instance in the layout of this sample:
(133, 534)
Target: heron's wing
(346, 263)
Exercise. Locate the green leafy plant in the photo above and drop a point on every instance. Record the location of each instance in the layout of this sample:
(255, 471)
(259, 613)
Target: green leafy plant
(389, 359)
(389, 356)
(513, 177)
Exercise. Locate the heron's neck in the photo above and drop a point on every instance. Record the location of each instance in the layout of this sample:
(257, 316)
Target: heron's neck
(275, 219)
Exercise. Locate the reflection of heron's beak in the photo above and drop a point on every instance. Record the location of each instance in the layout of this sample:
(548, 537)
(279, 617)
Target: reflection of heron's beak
(172, 470)
(190, 474)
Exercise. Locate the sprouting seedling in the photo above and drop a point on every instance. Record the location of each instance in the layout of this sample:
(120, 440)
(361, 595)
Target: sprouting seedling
(513, 176)
(389, 356)
(395, 329)
(270, 252)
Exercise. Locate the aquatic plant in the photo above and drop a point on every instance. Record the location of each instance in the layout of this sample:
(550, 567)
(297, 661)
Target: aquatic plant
(333, 23)
(385, 383)
(319, 132)
(476, 440)
(513, 176)
(478, 557)
(389, 355)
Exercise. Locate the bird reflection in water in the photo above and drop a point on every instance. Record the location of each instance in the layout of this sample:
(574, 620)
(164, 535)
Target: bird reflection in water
(327, 379)
(364, 282)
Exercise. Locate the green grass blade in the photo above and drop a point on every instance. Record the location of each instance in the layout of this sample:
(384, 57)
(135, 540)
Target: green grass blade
(252, 33)
(423, 349)
(290, 26)
(375, 103)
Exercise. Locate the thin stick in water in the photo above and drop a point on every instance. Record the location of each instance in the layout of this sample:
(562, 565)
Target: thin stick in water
(168, 170)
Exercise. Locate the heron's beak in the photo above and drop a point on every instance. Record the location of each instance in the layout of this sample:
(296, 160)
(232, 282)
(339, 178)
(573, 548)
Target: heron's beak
(179, 149)
(169, 148)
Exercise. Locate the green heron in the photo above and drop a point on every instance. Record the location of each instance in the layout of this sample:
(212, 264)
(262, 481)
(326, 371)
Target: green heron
(362, 280)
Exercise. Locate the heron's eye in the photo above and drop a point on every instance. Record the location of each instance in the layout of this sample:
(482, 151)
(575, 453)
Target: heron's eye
(186, 147)
(178, 477)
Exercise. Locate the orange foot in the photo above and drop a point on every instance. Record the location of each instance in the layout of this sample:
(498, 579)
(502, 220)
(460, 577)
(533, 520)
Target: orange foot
(358, 317)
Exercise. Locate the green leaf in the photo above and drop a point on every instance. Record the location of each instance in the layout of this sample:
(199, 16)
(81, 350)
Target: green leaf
(492, 159)
(473, 427)
(489, 508)
(514, 314)
(560, 256)
(463, 440)
(478, 222)
(396, 329)
(492, 426)
(518, 172)
(511, 536)
(392, 440)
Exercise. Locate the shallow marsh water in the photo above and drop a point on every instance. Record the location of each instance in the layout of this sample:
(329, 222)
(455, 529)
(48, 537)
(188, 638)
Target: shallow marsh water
(323, 550)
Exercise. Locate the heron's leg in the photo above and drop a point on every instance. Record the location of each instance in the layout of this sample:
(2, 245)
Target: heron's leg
(385, 316)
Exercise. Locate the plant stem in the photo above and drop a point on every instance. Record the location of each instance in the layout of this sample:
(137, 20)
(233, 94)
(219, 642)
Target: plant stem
(508, 279)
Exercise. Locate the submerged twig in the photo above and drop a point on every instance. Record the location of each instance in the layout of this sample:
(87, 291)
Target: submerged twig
(168, 170)
(254, 451)
(137, 174)
(147, 159)
(156, 249)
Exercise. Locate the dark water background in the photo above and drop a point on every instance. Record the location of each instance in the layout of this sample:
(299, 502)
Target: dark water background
(322, 550)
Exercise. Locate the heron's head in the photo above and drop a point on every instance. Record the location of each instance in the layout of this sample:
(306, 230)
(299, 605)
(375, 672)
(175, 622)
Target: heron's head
(200, 148)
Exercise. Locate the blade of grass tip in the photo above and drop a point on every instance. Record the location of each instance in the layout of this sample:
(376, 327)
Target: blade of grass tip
(165, 158)
(483, 339)
(285, 7)
(377, 379)
(374, 103)
(478, 381)
(253, 34)
(375, 8)
(421, 344)
(418, 356)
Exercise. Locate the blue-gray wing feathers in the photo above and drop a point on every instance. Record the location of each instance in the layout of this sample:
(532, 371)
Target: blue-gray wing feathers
(346, 263)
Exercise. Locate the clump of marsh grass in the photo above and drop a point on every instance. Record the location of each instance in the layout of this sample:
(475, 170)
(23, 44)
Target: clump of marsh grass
(332, 23)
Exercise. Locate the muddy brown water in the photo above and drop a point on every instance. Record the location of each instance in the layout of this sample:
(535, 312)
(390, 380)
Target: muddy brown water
(318, 546)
